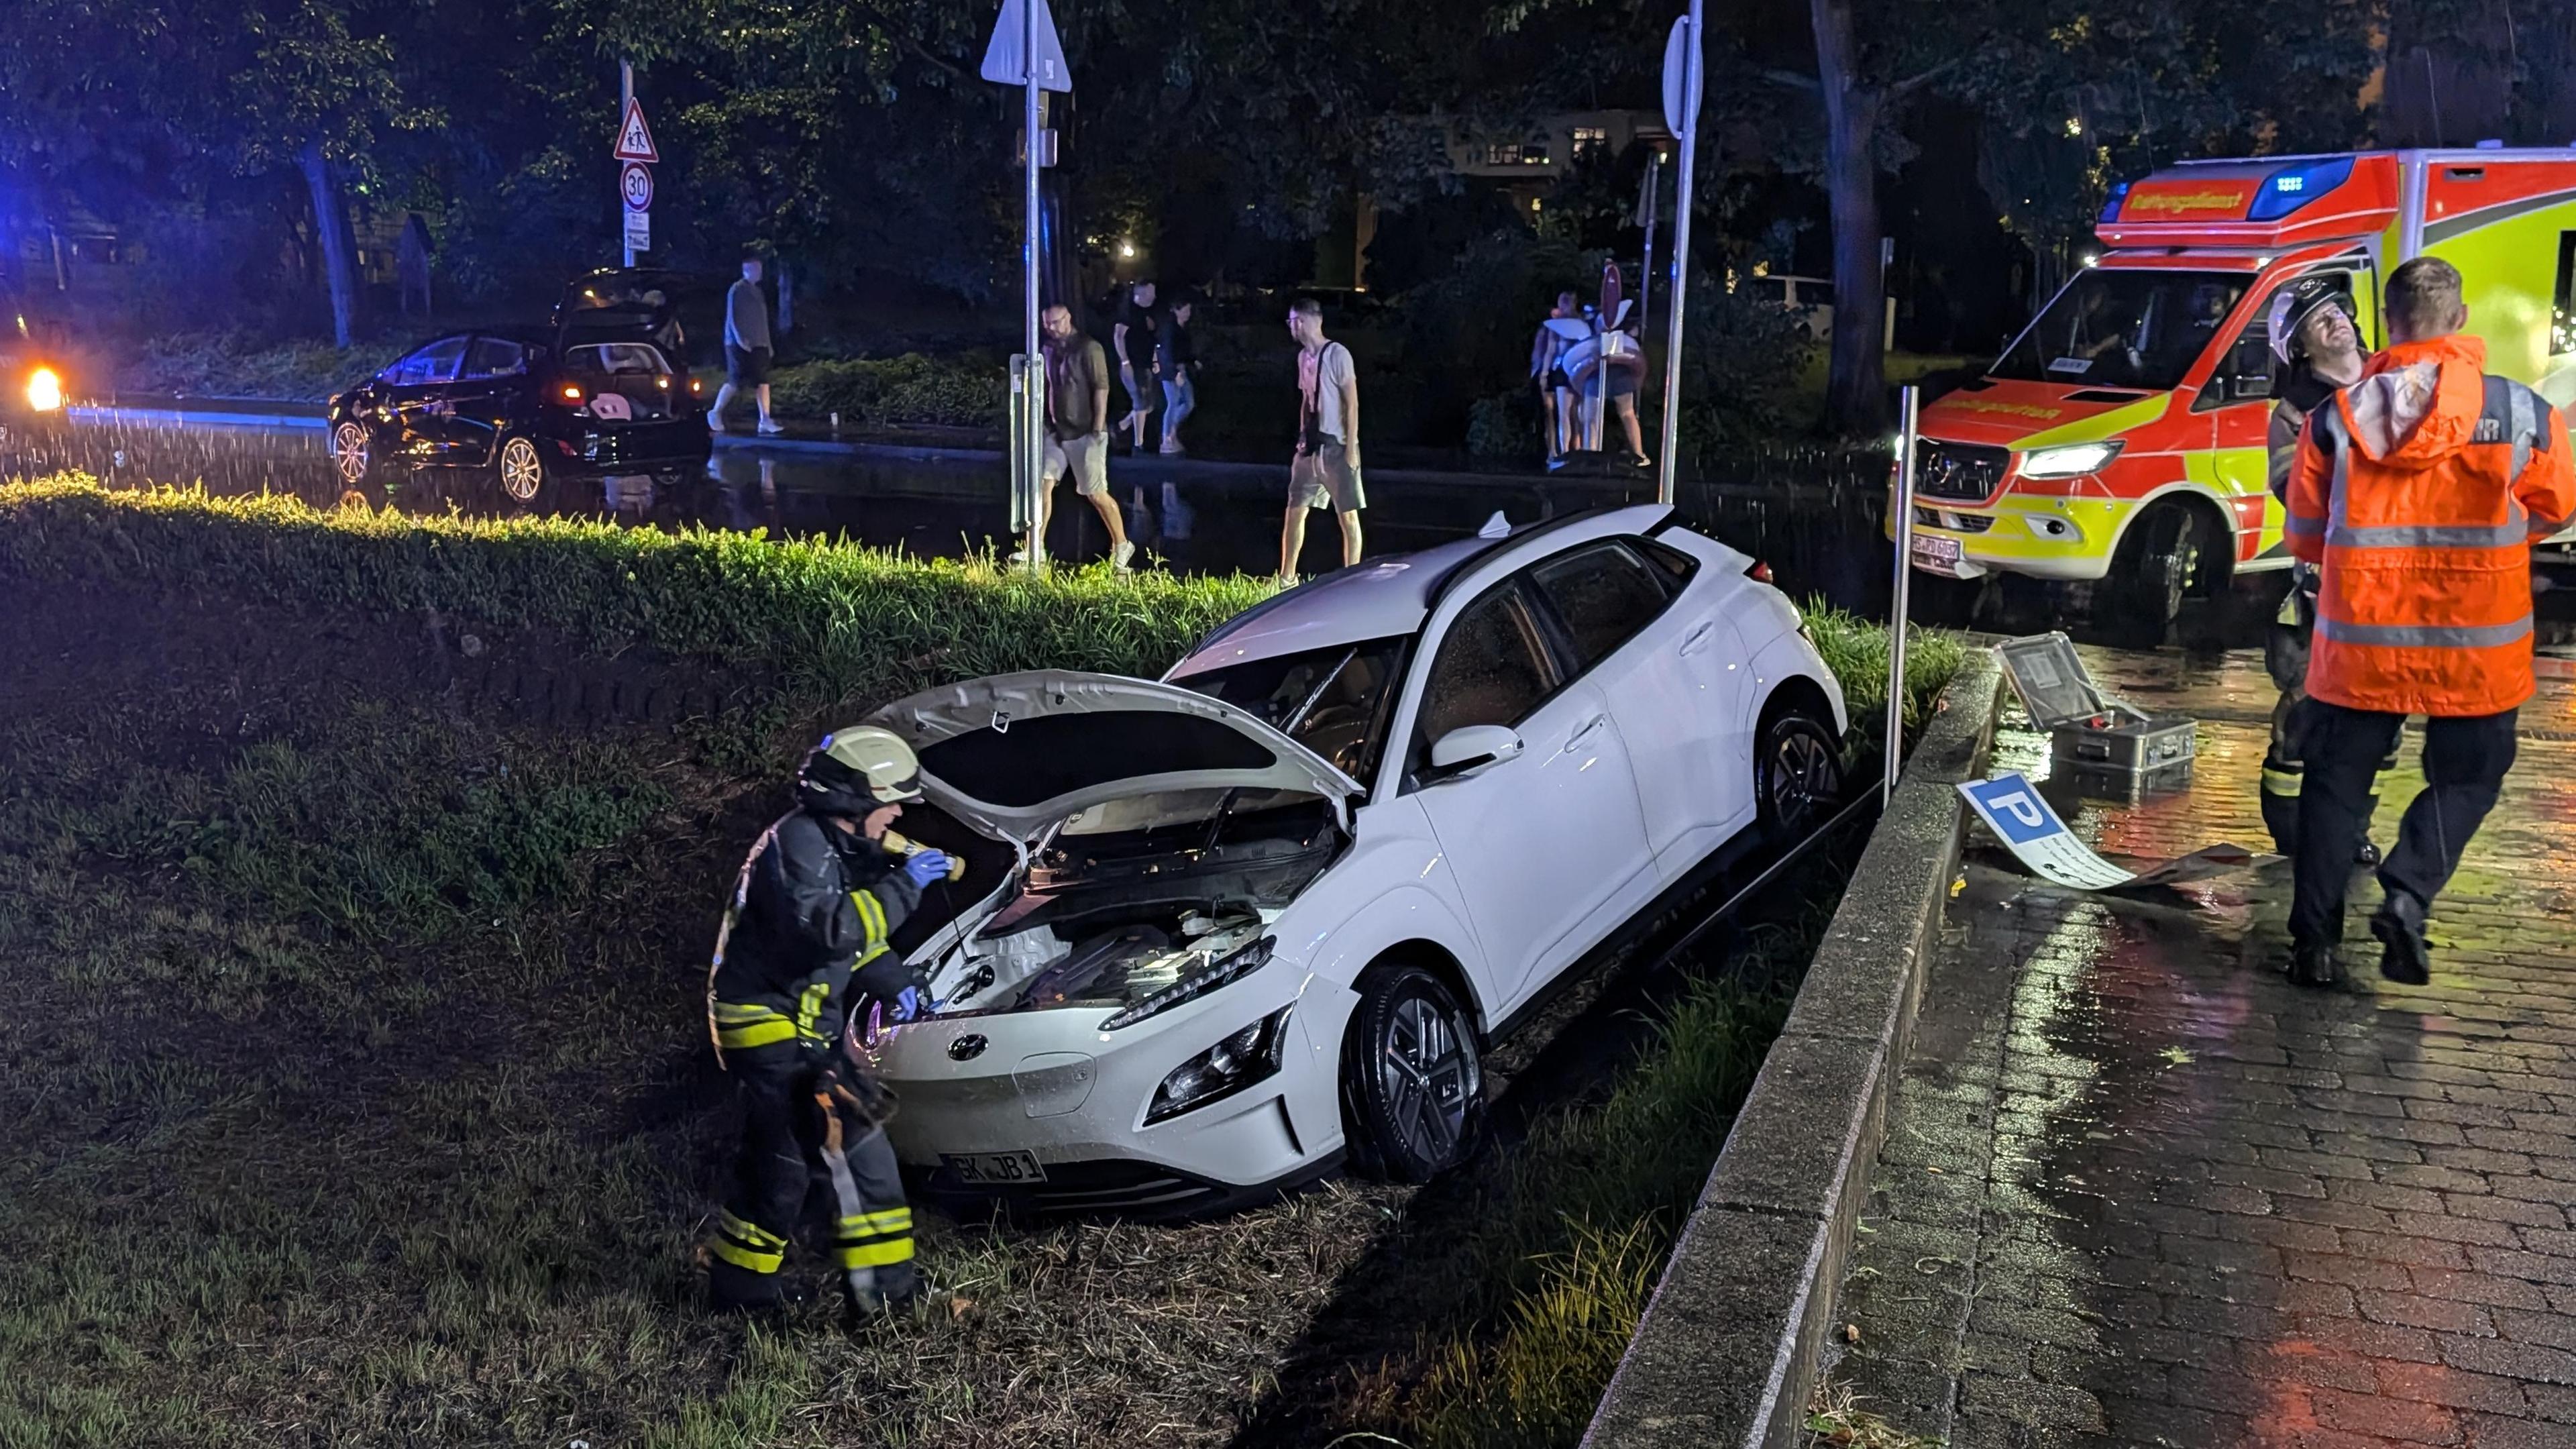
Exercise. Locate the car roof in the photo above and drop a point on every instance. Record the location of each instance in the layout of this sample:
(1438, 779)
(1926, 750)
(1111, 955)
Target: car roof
(1375, 600)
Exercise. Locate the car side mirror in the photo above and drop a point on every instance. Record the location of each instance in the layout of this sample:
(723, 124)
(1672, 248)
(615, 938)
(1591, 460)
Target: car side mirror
(1469, 748)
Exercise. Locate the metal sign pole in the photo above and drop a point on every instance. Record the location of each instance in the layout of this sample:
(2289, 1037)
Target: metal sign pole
(1646, 273)
(1900, 602)
(1679, 291)
(625, 99)
(1031, 454)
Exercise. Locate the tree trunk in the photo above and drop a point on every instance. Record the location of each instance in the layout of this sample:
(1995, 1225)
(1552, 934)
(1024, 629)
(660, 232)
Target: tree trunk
(1856, 385)
(786, 298)
(339, 241)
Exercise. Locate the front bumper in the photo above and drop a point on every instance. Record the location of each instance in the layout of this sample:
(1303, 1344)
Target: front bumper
(2068, 539)
(1052, 1084)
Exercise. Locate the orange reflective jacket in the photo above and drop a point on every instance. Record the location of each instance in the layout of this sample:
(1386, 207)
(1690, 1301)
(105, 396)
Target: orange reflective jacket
(2419, 493)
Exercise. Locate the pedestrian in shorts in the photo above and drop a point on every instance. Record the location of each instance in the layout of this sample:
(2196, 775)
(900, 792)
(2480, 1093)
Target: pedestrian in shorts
(1326, 467)
(746, 343)
(1077, 433)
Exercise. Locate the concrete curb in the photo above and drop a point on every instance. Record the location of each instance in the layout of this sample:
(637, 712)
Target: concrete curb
(1726, 1352)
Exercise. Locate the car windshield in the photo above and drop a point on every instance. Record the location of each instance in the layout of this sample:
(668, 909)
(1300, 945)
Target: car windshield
(1333, 701)
(2123, 327)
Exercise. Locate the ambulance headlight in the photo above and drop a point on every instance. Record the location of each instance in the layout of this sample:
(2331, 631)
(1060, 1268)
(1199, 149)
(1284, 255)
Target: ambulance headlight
(44, 390)
(2072, 460)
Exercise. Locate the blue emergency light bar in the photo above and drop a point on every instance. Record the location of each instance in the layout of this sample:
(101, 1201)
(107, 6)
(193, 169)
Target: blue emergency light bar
(2292, 187)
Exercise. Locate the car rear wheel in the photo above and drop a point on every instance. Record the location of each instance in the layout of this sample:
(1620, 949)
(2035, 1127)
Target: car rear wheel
(352, 453)
(1413, 1086)
(1797, 771)
(523, 468)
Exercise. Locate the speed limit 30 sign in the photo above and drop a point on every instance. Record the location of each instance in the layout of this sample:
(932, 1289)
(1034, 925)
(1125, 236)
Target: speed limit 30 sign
(636, 185)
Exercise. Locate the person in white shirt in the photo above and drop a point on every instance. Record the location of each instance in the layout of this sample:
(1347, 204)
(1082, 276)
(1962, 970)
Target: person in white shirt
(1326, 467)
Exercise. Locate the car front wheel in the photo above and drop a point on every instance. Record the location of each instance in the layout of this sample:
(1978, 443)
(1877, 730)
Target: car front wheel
(352, 453)
(523, 468)
(1413, 1086)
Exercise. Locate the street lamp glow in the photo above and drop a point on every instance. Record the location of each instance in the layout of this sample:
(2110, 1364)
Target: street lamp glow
(1126, 250)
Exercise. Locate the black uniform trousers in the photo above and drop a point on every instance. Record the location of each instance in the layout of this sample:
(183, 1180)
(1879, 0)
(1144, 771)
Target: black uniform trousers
(2465, 760)
(814, 1152)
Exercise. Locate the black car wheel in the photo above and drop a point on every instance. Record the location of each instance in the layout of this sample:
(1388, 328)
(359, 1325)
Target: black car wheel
(352, 453)
(1797, 771)
(2166, 556)
(523, 468)
(1412, 1084)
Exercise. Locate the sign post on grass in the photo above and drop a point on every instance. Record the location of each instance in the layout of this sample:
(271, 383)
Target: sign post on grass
(635, 155)
(1683, 78)
(1901, 500)
(1026, 52)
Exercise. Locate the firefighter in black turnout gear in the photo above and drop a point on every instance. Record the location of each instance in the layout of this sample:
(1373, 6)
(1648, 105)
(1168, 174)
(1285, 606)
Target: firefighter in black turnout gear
(802, 951)
(2317, 343)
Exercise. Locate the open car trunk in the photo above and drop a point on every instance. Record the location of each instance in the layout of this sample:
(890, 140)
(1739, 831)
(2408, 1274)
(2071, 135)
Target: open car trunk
(1156, 831)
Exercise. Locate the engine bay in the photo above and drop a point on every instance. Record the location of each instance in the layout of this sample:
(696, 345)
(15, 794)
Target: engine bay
(1120, 904)
(1115, 966)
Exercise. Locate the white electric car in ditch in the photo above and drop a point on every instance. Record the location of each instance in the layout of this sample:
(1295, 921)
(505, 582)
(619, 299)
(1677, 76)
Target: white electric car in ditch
(1264, 914)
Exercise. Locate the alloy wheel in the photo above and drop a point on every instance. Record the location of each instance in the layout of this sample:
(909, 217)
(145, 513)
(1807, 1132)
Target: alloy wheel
(521, 469)
(349, 452)
(1804, 777)
(1430, 1078)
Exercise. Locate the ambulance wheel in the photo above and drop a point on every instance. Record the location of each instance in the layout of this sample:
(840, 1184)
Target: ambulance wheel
(2166, 556)
(1413, 1089)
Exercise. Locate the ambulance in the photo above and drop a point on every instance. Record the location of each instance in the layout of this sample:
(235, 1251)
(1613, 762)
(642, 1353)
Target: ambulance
(2120, 439)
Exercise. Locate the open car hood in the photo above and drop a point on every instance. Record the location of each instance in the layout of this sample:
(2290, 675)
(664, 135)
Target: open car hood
(1014, 754)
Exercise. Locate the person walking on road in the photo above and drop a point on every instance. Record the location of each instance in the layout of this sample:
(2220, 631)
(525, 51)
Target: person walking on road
(1556, 401)
(2417, 493)
(1133, 339)
(803, 946)
(2319, 350)
(1326, 467)
(747, 349)
(1177, 362)
(1077, 437)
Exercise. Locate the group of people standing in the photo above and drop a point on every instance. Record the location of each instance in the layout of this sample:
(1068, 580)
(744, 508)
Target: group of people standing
(1157, 366)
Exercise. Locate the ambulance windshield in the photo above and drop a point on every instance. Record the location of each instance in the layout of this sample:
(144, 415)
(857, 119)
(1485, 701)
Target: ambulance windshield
(2124, 327)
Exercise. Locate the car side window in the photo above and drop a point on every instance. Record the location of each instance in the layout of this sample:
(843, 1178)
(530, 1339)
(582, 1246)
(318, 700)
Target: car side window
(1603, 594)
(434, 363)
(495, 357)
(1492, 668)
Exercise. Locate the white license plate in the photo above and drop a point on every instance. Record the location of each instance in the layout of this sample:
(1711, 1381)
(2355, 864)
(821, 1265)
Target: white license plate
(993, 1169)
(1936, 551)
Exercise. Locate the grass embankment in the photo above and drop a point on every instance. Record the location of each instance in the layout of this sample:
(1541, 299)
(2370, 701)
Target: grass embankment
(357, 1091)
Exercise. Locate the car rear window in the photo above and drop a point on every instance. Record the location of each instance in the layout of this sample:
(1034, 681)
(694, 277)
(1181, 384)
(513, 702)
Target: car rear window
(1603, 595)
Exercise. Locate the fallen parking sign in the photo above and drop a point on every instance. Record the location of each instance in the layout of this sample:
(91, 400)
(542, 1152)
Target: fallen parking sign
(2012, 808)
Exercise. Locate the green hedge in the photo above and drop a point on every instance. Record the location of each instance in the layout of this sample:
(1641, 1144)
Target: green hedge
(965, 392)
(831, 618)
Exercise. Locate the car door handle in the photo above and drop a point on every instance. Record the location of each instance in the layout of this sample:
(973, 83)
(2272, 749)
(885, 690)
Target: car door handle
(1696, 638)
(1575, 742)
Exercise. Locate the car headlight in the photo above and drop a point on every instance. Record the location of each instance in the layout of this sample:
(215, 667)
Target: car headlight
(1243, 1058)
(1233, 966)
(44, 390)
(2070, 460)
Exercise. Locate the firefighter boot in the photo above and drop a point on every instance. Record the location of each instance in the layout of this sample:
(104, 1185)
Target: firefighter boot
(2399, 925)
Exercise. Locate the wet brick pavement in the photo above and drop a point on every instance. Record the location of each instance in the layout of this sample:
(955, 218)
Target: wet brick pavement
(2139, 1190)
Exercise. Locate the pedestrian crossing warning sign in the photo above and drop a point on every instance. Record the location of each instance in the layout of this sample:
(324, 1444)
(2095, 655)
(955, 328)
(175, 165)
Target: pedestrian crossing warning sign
(634, 138)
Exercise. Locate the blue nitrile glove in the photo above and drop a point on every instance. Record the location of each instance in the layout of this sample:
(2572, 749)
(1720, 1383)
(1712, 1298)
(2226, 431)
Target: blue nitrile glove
(924, 866)
(907, 1004)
